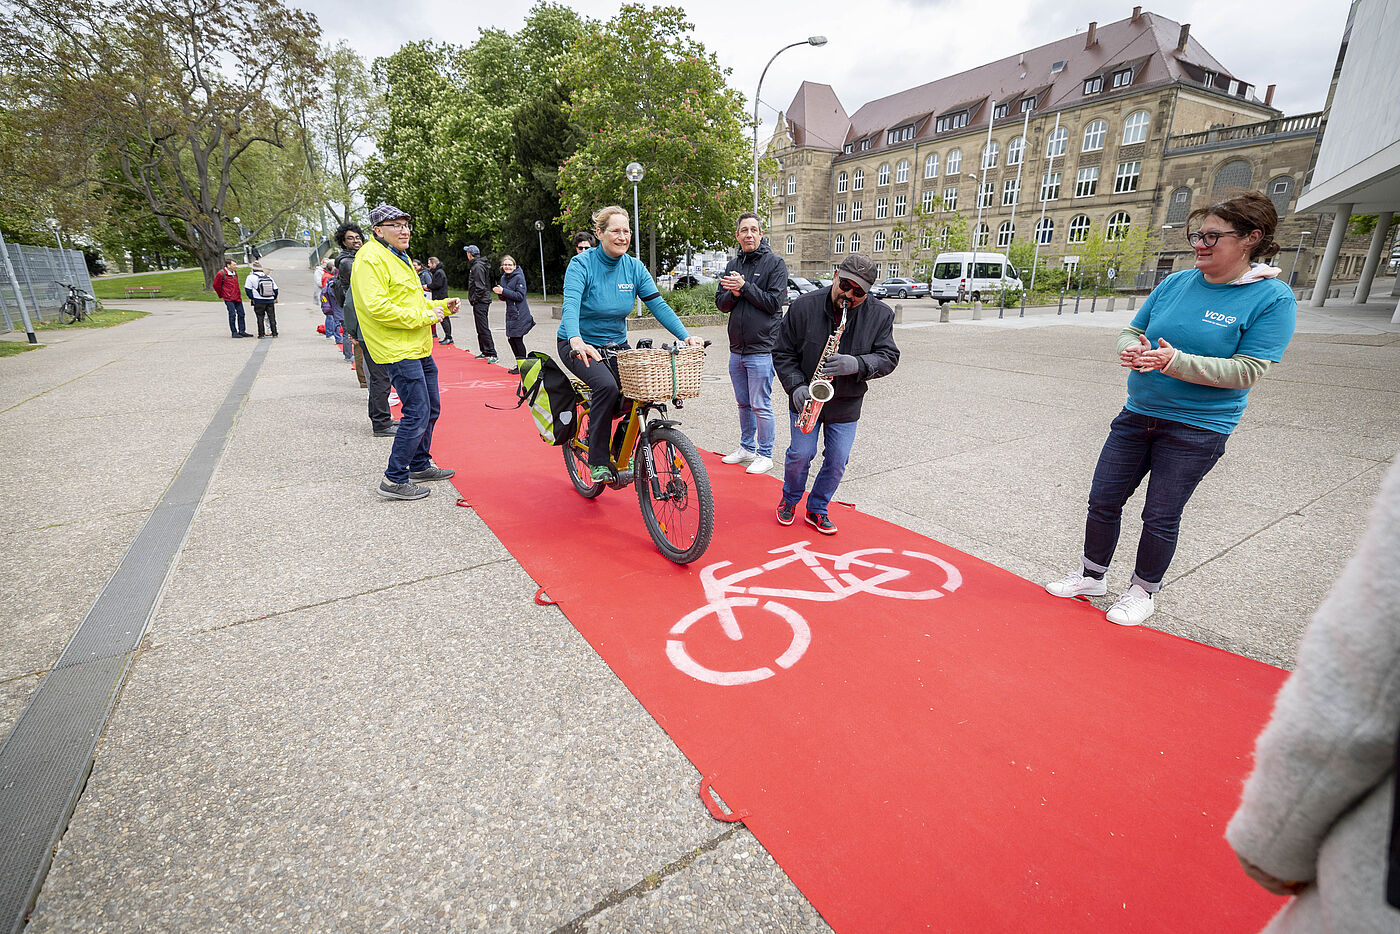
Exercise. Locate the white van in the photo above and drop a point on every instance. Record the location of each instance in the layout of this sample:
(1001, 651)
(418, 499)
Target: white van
(954, 279)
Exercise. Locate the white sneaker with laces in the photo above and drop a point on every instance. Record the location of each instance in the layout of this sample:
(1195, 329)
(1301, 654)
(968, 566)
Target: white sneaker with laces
(760, 465)
(1132, 608)
(1078, 584)
(738, 456)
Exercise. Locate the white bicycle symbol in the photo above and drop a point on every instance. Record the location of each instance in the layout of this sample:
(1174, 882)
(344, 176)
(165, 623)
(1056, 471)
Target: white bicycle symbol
(720, 600)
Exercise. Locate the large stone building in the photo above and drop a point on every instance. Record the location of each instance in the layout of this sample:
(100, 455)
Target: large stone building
(1124, 125)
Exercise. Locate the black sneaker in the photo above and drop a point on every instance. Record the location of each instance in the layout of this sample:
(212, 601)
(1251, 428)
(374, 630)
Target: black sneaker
(785, 512)
(432, 473)
(401, 490)
(386, 432)
(821, 523)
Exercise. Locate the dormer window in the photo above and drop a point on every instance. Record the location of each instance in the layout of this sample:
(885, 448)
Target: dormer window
(900, 134)
(1027, 103)
(1093, 85)
(1123, 78)
(951, 121)
(1001, 111)
(1208, 79)
(849, 148)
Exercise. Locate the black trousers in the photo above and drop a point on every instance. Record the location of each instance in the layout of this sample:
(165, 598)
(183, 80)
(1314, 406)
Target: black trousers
(379, 415)
(446, 328)
(483, 328)
(601, 378)
(517, 347)
(267, 314)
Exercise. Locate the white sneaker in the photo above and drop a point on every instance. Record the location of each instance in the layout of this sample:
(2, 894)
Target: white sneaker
(760, 465)
(1132, 608)
(738, 456)
(1078, 584)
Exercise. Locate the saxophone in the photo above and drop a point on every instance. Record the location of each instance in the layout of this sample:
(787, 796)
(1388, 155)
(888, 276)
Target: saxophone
(822, 389)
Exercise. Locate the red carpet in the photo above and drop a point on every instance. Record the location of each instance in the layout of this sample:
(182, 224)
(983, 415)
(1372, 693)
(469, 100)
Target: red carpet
(952, 750)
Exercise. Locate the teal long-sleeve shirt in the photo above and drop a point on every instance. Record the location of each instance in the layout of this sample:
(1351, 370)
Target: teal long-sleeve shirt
(598, 294)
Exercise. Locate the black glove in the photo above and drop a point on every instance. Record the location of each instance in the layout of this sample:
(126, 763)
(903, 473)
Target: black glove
(839, 364)
(800, 395)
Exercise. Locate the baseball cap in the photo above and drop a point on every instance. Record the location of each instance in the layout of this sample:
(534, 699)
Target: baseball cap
(385, 212)
(472, 249)
(858, 268)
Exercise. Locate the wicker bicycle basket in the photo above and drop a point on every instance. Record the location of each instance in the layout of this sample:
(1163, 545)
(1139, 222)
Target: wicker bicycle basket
(655, 375)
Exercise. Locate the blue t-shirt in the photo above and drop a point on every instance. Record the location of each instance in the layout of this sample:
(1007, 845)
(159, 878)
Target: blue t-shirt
(598, 294)
(1197, 317)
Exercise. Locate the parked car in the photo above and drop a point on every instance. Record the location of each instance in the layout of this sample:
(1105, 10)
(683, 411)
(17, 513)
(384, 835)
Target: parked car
(898, 287)
(798, 286)
(954, 279)
(690, 280)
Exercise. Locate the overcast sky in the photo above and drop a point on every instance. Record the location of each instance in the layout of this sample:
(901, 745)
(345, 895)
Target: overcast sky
(878, 47)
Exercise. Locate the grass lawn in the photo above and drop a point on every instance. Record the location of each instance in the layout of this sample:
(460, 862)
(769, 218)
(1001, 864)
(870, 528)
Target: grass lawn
(184, 284)
(106, 318)
(10, 348)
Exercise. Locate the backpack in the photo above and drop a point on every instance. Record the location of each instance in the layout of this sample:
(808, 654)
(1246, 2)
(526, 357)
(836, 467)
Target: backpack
(266, 289)
(552, 398)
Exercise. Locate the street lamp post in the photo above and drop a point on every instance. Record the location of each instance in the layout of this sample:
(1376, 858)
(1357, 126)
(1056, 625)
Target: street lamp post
(976, 232)
(242, 239)
(635, 173)
(539, 234)
(1294, 271)
(810, 40)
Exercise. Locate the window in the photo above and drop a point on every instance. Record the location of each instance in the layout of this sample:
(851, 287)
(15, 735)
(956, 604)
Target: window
(1016, 152)
(894, 267)
(1086, 185)
(884, 177)
(931, 165)
(1118, 226)
(792, 213)
(989, 155)
(1050, 186)
(896, 244)
(1005, 233)
(1281, 193)
(882, 208)
(840, 212)
(1056, 145)
(1010, 191)
(900, 134)
(901, 205)
(792, 185)
(1122, 78)
(857, 210)
(1135, 127)
(1235, 174)
(858, 182)
(950, 199)
(1093, 85)
(1126, 179)
(1179, 206)
(951, 121)
(928, 201)
(864, 145)
(791, 246)
(1027, 103)
(945, 234)
(1044, 231)
(1093, 135)
(901, 172)
(842, 182)
(984, 236)
(855, 243)
(1208, 79)
(955, 162)
(1001, 110)
(926, 240)
(877, 243)
(1058, 67)
(849, 148)
(985, 192)
(840, 243)
(1078, 229)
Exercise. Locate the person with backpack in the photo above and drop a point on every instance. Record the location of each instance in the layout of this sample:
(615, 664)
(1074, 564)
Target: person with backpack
(335, 315)
(262, 292)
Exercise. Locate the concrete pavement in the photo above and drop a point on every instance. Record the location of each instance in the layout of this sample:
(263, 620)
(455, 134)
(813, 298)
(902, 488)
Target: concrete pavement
(348, 713)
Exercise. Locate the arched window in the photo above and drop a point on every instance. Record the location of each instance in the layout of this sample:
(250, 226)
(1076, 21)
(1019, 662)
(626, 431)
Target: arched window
(1045, 231)
(791, 246)
(1236, 174)
(1093, 135)
(877, 243)
(901, 171)
(1005, 233)
(1280, 192)
(1135, 127)
(842, 182)
(884, 174)
(984, 235)
(1118, 226)
(858, 180)
(931, 165)
(896, 242)
(1055, 147)
(1178, 206)
(1078, 229)
(955, 162)
(773, 189)
(989, 155)
(1016, 152)
(840, 243)
(855, 243)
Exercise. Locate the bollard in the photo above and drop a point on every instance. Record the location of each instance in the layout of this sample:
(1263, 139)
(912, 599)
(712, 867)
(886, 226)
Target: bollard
(977, 310)
(1023, 303)
(555, 311)
(942, 312)
(898, 314)
(1109, 306)
(1001, 303)
(1132, 302)
(1061, 309)
(1094, 301)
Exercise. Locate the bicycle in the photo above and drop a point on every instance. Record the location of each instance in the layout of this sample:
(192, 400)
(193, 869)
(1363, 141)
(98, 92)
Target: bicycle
(74, 307)
(652, 454)
(850, 577)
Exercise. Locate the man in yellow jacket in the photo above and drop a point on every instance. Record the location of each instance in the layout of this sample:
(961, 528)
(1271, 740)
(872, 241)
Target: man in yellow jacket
(396, 324)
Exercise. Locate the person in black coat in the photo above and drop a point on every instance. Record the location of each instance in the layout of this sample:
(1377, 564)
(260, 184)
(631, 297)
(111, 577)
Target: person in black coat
(866, 351)
(519, 321)
(479, 294)
(437, 288)
(372, 375)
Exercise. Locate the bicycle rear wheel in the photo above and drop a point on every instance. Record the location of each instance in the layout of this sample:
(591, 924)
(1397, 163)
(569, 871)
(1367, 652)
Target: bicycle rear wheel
(680, 516)
(576, 460)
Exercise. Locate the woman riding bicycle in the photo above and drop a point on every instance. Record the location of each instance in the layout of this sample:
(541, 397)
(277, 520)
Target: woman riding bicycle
(599, 289)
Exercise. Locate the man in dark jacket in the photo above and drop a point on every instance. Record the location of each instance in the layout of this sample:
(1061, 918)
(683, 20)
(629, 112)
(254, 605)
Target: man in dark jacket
(751, 292)
(350, 238)
(226, 287)
(437, 289)
(866, 351)
(479, 294)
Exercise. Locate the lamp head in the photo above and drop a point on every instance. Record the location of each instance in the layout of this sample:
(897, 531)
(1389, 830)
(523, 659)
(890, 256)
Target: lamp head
(237, 221)
(539, 225)
(635, 172)
(816, 40)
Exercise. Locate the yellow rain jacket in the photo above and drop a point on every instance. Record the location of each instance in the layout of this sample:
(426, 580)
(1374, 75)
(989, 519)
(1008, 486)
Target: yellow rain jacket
(395, 317)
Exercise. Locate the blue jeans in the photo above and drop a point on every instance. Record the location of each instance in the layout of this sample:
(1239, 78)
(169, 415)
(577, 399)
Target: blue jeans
(752, 376)
(836, 451)
(417, 385)
(235, 317)
(1177, 456)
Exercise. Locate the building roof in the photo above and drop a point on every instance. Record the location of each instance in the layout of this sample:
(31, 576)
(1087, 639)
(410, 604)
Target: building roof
(816, 119)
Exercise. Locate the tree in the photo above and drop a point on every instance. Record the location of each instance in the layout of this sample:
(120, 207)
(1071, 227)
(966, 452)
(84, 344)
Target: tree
(643, 90)
(342, 124)
(151, 85)
(928, 233)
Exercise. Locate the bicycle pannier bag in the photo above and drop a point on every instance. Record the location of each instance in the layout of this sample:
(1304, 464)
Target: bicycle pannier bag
(267, 289)
(553, 401)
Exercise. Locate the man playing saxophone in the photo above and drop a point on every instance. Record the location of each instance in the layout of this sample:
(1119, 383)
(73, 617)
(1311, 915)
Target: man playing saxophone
(802, 353)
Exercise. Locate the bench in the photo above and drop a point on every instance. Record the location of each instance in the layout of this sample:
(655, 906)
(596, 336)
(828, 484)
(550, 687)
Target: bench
(137, 291)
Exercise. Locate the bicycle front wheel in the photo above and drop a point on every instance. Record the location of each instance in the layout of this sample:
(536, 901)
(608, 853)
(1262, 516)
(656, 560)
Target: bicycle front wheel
(678, 507)
(71, 312)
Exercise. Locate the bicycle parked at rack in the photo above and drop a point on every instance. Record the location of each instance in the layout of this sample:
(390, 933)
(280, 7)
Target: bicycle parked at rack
(650, 452)
(75, 305)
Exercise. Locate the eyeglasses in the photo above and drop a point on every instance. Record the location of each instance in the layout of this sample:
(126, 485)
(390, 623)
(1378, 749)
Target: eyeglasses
(619, 231)
(850, 288)
(398, 225)
(1209, 237)
(580, 247)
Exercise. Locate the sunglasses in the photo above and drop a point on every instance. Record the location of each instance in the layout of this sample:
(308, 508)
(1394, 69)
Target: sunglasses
(850, 288)
(580, 247)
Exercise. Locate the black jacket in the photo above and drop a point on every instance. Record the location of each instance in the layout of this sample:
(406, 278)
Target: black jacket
(808, 325)
(479, 282)
(438, 282)
(755, 312)
(340, 288)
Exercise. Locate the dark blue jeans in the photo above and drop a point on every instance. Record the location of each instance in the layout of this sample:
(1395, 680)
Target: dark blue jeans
(1177, 456)
(416, 382)
(235, 317)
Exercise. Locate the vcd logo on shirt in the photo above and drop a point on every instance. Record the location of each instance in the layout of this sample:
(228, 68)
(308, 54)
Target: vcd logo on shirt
(1217, 319)
(628, 287)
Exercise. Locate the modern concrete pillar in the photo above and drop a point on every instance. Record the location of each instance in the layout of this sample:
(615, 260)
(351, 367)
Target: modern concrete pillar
(1329, 257)
(1373, 257)
(1395, 318)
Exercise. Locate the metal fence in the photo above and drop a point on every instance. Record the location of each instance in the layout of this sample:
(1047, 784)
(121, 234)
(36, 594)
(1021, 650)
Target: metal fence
(39, 269)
